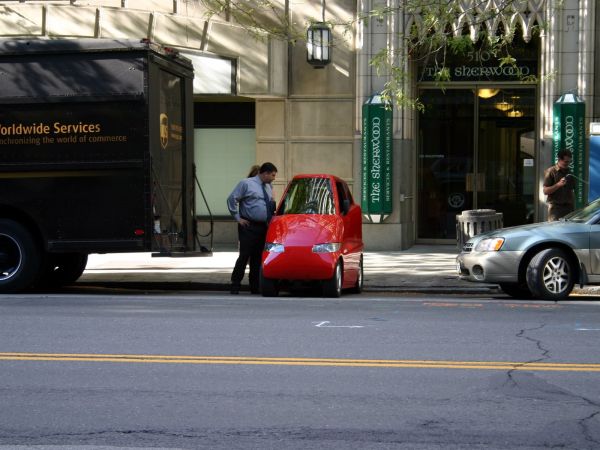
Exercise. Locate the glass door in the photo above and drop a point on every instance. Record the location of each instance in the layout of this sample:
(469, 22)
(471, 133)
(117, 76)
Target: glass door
(445, 157)
(476, 150)
(505, 154)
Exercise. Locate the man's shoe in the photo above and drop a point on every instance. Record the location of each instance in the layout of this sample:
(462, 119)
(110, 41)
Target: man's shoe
(235, 290)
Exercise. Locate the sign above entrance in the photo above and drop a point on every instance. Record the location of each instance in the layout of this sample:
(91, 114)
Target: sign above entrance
(376, 200)
(481, 63)
(479, 72)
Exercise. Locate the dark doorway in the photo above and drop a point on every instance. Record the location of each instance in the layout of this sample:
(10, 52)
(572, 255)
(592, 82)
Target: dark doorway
(476, 150)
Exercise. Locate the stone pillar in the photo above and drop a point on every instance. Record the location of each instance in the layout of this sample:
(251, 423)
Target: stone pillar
(567, 58)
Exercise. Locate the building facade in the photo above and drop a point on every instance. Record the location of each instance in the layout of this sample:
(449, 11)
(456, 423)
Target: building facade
(481, 141)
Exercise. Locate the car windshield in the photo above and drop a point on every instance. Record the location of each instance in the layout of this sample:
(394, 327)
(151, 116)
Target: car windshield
(585, 214)
(308, 196)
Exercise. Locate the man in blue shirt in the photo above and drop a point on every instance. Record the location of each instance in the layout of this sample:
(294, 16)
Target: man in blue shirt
(251, 205)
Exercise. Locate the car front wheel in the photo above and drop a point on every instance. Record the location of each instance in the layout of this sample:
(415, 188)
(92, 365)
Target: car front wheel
(551, 275)
(333, 286)
(268, 286)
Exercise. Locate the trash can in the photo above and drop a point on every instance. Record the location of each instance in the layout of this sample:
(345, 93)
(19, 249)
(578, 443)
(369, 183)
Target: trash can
(474, 222)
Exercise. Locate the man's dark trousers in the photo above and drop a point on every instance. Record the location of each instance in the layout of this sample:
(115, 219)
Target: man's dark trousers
(252, 242)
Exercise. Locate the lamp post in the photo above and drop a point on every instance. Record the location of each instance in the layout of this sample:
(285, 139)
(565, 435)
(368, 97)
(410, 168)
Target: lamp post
(318, 45)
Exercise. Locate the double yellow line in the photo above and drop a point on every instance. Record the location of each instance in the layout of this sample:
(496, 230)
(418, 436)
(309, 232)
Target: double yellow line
(337, 362)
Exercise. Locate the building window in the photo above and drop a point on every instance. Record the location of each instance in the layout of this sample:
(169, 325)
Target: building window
(224, 150)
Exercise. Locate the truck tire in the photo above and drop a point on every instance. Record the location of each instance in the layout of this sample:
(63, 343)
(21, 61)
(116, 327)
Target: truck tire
(62, 268)
(20, 259)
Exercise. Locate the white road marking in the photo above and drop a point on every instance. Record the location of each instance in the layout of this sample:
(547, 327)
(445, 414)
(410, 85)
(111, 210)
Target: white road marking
(325, 323)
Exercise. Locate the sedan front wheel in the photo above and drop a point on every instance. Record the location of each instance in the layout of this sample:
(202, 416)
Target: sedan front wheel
(551, 275)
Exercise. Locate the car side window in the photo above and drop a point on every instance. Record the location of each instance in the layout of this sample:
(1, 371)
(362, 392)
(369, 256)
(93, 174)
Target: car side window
(342, 195)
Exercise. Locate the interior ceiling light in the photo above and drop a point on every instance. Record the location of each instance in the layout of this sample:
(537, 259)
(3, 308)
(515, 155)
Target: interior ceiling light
(487, 93)
(503, 105)
(515, 113)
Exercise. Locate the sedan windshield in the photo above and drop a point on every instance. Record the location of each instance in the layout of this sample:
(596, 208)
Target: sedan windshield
(308, 196)
(585, 214)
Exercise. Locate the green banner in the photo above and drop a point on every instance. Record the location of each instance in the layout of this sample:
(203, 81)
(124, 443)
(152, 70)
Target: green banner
(376, 200)
(568, 132)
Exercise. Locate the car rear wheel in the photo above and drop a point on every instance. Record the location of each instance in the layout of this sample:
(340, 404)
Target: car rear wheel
(268, 286)
(551, 275)
(333, 286)
(20, 258)
(358, 287)
(516, 290)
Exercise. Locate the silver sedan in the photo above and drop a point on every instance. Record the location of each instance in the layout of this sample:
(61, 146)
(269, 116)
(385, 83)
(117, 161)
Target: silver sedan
(541, 260)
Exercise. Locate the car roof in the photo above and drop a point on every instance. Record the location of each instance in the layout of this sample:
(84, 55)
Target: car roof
(317, 175)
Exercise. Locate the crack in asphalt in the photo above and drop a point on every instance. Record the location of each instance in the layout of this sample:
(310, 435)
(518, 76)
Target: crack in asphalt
(545, 354)
(583, 423)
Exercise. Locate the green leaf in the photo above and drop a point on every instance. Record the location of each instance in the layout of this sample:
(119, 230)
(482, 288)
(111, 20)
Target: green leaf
(508, 61)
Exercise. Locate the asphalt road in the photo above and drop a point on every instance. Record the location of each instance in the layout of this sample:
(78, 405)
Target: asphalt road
(127, 370)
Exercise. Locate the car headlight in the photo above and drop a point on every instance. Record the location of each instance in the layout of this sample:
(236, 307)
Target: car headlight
(329, 247)
(489, 245)
(274, 247)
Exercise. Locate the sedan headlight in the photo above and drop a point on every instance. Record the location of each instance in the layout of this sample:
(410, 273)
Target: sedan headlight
(489, 245)
(329, 247)
(274, 247)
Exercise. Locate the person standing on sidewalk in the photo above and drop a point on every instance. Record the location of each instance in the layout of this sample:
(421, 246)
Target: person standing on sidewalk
(251, 205)
(559, 186)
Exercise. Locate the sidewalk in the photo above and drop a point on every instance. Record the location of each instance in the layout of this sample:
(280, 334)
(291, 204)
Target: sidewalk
(422, 268)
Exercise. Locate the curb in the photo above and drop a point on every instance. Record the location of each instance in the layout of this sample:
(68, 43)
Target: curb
(221, 287)
(445, 290)
(484, 289)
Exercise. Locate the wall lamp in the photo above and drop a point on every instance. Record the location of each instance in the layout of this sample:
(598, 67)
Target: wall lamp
(318, 42)
(318, 45)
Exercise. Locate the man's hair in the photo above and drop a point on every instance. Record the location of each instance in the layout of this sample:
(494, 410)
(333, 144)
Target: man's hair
(267, 167)
(564, 152)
